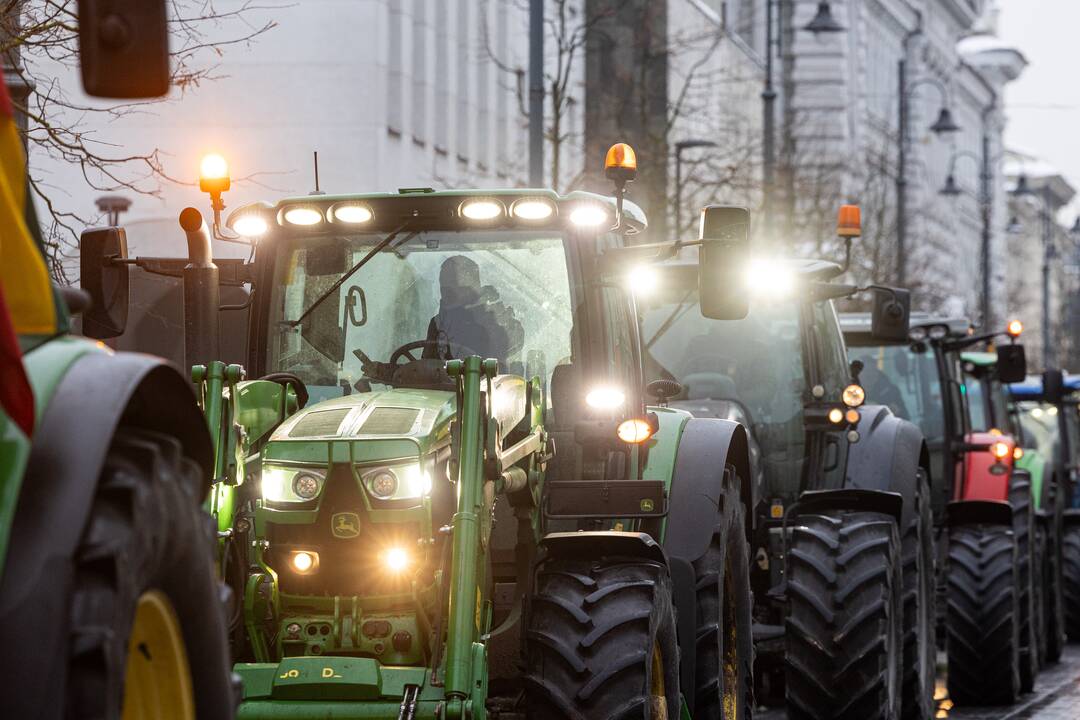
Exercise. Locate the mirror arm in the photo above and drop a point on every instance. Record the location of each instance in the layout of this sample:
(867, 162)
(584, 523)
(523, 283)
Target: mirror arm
(217, 231)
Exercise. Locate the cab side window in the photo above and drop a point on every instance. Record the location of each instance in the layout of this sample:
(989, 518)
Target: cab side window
(835, 373)
(621, 332)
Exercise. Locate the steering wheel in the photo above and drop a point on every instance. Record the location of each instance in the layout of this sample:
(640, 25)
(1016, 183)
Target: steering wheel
(285, 379)
(406, 350)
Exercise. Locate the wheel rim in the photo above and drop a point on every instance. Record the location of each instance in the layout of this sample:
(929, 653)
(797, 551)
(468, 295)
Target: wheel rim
(657, 691)
(157, 679)
(729, 661)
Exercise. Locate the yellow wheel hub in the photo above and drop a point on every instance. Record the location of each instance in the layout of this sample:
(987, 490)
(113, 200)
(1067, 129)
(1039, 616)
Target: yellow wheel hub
(657, 693)
(157, 679)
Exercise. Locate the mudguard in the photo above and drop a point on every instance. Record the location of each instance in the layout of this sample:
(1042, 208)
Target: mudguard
(813, 502)
(706, 448)
(887, 456)
(98, 392)
(1071, 516)
(978, 512)
(601, 543)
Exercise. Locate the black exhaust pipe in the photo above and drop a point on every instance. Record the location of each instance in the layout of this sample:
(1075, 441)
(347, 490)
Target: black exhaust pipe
(201, 293)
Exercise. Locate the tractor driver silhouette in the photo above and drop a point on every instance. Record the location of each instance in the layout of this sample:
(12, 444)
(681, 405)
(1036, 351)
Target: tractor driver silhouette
(469, 320)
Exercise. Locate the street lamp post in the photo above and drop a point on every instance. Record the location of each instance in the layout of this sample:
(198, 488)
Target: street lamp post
(823, 22)
(680, 146)
(943, 124)
(986, 201)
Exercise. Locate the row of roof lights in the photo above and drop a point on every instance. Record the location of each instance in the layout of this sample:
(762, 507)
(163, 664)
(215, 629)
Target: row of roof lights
(480, 210)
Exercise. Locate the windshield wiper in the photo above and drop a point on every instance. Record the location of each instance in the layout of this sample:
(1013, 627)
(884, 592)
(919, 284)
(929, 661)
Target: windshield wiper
(680, 309)
(353, 270)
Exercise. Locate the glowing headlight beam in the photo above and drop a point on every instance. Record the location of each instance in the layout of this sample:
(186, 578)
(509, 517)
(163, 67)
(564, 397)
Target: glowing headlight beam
(396, 559)
(605, 397)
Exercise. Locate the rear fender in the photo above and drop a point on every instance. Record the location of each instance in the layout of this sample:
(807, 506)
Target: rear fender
(818, 502)
(1071, 516)
(978, 512)
(887, 457)
(98, 392)
(707, 447)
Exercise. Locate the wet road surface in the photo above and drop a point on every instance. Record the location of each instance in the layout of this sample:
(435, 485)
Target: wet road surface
(1056, 697)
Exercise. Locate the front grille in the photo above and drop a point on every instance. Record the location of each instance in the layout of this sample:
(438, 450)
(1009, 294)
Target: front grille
(347, 565)
(389, 421)
(319, 424)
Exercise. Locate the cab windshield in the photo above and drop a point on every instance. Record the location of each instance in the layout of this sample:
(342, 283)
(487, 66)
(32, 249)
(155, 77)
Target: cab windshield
(427, 297)
(907, 382)
(755, 364)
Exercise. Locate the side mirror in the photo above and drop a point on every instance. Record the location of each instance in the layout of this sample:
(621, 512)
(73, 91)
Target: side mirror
(722, 262)
(1053, 386)
(124, 46)
(1011, 363)
(891, 317)
(105, 281)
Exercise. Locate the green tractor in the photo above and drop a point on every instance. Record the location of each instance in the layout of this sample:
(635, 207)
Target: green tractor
(445, 496)
(843, 560)
(110, 605)
(983, 513)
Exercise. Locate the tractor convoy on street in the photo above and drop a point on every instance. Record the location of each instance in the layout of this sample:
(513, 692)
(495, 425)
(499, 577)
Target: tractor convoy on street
(493, 454)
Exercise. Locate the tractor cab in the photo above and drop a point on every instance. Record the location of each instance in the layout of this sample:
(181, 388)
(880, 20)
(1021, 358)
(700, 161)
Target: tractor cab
(930, 379)
(817, 452)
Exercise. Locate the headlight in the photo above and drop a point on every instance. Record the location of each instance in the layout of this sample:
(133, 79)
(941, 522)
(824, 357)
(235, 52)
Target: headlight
(250, 225)
(854, 395)
(398, 482)
(352, 214)
(482, 209)
(287, 484)
(605, 397)
(588, 215)
(534, 209)
(303, 215)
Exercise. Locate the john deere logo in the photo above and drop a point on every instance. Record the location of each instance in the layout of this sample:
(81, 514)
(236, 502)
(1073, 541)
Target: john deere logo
(345, 525)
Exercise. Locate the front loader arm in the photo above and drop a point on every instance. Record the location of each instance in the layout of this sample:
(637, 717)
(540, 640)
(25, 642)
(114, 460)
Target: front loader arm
(464, 614)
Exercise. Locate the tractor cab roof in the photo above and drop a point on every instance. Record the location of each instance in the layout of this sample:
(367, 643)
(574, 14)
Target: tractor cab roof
(427, 209)
(857, 328)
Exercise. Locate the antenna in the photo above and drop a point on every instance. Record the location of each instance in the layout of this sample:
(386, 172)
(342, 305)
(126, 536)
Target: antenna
(317, 190)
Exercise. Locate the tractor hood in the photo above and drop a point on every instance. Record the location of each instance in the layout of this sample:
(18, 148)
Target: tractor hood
(394, 423)
(399, 412)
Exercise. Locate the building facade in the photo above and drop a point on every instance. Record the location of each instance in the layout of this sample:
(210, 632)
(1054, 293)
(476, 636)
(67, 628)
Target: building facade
(842, 96)
(390, 93)
(1042, 262)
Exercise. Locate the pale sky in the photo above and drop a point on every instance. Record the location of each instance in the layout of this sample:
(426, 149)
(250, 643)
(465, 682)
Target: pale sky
(1043, 104)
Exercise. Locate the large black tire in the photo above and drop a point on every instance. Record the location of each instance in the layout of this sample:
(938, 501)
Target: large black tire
(1070, 567)
(1053, 600)
(592, 628)
(982, 616)
(146, 532)
(844, 623)
(724, 683)
(1024, 531)
(920, 613)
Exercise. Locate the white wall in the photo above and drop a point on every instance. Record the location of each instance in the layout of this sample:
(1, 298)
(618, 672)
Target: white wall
(322, 80)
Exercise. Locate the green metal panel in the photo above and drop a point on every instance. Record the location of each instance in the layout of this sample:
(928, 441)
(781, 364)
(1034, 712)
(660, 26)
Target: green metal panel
(663, 447)
(1034, 463)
